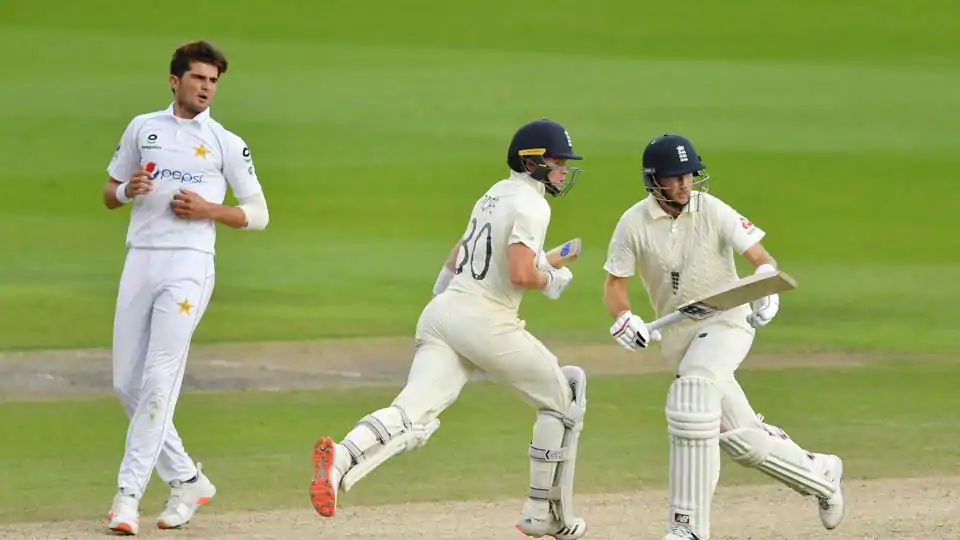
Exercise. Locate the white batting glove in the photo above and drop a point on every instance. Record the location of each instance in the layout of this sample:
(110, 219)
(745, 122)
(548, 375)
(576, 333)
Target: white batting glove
(631, 332)
(765, 308)
(557, 281)
(542, 263)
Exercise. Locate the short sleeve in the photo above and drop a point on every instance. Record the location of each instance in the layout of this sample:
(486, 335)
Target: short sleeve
(238, 168)
(622, 254)
(530, 226)
(126, 158)
(737, 231)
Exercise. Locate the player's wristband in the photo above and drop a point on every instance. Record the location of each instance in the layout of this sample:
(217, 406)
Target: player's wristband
(765, 267)
(122, 193)
(444, 279)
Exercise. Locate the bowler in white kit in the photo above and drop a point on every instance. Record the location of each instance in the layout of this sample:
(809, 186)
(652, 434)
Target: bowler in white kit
(682, 242)
(172, 167)
(472, 325)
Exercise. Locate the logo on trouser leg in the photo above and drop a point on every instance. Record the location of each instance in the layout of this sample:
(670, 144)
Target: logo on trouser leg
(681, 519)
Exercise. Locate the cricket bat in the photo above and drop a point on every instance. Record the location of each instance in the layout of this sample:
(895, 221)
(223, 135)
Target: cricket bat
(564, 254)
(742, 291)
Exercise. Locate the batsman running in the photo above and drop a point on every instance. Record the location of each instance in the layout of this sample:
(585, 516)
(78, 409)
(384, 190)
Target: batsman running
(472, 324)
(681, 241)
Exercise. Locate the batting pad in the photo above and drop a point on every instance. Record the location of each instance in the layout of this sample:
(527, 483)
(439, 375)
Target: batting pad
(553, 450)
(778, 457)
(693, 423)
(378, 437)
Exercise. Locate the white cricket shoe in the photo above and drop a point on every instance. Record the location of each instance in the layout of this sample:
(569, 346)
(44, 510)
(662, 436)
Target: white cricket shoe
(538, 528)
(185, 499)
(124, 515)
(831, 508)
(680, 534)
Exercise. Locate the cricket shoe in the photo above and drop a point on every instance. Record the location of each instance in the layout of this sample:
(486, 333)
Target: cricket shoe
(185, 498)
(538, 528)
(831, 508)
(124, 515)
(680, 533)
(326, 477)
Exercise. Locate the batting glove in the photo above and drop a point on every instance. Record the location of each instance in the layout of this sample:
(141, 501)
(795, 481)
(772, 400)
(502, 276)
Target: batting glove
(557, 281)
(631, 332)
(765, 308)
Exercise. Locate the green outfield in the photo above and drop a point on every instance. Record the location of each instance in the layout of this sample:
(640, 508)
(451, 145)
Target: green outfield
(257, 446)
(375, 126)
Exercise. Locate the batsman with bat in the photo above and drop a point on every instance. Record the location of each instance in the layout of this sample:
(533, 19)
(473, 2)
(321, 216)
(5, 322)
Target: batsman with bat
(472, 324)
(681, 241)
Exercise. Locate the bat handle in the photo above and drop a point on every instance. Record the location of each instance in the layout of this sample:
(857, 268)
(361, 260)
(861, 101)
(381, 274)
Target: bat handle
(665, 321)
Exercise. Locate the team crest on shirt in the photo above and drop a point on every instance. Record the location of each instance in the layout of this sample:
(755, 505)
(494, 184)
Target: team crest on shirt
(200, 151)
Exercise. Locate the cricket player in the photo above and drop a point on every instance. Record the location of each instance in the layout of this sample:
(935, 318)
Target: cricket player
(472, 324)
(681, 241)
(173, 168)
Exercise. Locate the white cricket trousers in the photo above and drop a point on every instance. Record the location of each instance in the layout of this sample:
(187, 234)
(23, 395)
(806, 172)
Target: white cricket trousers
(716, 352)
(161, 299)
(459, 334)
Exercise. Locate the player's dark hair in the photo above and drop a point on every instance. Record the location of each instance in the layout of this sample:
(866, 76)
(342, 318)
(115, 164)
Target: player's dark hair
(197, 51)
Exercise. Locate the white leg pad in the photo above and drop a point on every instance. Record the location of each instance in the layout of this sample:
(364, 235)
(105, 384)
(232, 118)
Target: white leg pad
(693, 421)
(378, 437)
(555, 439)
(776, 455)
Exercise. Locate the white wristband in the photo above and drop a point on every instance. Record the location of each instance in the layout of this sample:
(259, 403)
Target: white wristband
(765, 267)
(444, 279)
(122, 193)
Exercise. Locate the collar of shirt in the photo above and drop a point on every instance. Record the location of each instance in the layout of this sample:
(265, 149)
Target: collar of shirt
(198, 119)
(656, 211)
(528, 180)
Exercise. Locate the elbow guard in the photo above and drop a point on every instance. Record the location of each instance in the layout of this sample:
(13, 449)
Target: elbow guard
(255, 208)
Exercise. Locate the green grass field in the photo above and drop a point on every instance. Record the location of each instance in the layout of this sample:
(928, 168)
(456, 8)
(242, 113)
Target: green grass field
(375, 126)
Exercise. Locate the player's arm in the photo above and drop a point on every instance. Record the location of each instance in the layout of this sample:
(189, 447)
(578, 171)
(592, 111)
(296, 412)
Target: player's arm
(741, 234)
(250, 213)
(620, 265)
(448, 270)
(628, 329)
(127, 178)
(616, 295)
(524, 246)
(759, 258)
(522, 267)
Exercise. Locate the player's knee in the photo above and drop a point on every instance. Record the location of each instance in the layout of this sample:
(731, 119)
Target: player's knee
(385, 426)
(693, 408)
(747, 446)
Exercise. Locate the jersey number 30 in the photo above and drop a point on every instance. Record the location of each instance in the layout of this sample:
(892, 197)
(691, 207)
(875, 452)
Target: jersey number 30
(468, 249)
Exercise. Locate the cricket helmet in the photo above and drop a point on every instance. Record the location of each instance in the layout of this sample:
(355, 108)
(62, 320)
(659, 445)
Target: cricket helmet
(670, 155)
(537, 140)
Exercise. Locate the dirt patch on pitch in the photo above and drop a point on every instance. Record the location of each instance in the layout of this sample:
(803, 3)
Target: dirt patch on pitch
(45, 375)
(877, 509)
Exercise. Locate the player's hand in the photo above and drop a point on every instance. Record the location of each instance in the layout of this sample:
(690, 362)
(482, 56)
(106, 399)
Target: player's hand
(189, 205)
(764, 310)
(557, 281)
(139, 184)
(631, 332)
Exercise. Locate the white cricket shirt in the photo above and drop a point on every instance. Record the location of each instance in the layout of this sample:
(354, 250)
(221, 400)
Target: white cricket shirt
(197, 154)
(513, 210)
(681, 259)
